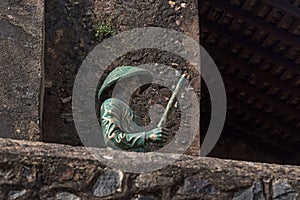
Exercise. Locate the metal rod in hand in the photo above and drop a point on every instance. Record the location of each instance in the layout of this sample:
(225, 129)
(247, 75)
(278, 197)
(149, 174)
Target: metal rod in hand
(171, 101)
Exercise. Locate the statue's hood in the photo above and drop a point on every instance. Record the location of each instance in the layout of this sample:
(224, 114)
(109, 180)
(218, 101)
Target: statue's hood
(124, 72)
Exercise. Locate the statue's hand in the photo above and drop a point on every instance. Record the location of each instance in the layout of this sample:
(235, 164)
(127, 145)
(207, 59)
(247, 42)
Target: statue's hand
(157, 135)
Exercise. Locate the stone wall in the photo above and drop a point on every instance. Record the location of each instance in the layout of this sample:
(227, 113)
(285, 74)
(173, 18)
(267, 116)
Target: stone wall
(33, 170)
(21, 44)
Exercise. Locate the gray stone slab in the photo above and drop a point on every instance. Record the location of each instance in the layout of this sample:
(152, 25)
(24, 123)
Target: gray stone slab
(108, 183)
(21, 45)
(73, 173)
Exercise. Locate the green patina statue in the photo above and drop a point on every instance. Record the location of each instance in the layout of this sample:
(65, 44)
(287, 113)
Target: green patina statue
(118, 121)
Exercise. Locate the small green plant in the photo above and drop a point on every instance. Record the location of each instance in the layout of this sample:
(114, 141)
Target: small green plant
(104, 29)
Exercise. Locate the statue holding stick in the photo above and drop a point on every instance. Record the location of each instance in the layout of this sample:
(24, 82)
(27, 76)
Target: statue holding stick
(118, 121)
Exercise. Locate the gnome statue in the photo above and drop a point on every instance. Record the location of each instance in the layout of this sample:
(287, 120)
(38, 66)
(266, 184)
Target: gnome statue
(118, 121)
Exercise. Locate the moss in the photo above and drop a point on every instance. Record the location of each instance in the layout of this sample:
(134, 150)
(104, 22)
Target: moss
(104, 29)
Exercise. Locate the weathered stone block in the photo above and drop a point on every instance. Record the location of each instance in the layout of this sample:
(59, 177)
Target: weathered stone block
(189, 177)
(256, 191)
(282, 190)
(21, 47)
(194, 185)
(66, 196)
(151, 180)
(16, 194)
(108, 183)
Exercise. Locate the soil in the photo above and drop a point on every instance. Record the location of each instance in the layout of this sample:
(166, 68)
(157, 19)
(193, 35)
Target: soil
(69, 37)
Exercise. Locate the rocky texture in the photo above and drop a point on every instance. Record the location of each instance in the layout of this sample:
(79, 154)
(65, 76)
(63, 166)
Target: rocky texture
(108, 183)
(49, 171)
(21, 47)
(71, 36)
(254, 192)
(282, 190)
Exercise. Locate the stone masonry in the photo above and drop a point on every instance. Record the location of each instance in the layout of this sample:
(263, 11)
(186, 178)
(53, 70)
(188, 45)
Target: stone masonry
(34, 170)
(21, 45)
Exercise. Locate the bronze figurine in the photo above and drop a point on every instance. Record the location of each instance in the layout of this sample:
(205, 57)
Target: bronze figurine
(118, 121)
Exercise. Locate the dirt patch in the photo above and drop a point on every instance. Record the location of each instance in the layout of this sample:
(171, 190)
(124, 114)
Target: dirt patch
(68, 39)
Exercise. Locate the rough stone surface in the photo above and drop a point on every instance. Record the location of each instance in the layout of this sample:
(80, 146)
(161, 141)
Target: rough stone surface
(152, 180)
(254, 192)
(282, 190)
(108, 183)
(16, 194)
(66, 196)
(194, 184)
(60, 171)
(21, 47)
(145, 197)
